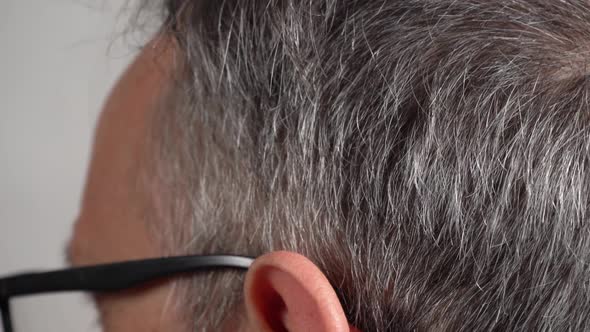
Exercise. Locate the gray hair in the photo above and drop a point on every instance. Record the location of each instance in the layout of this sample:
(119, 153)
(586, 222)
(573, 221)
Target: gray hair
(431, 157)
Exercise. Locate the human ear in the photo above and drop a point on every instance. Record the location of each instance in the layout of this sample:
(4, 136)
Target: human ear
(285, 291)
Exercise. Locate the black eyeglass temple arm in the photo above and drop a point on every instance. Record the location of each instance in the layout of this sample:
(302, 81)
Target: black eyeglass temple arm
(115, 276)
(6, 319)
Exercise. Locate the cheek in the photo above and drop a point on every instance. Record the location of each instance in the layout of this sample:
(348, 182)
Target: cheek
(147, 308)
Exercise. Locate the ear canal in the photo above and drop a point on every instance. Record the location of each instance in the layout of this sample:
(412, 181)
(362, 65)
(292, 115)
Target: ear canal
(269, 304)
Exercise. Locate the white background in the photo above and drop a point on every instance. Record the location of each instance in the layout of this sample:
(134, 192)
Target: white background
(58, 60)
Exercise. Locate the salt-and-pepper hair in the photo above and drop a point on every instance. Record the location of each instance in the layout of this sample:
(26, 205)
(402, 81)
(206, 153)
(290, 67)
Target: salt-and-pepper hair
(431, 157)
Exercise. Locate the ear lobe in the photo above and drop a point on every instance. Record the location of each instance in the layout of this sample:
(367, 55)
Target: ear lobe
(285, 291)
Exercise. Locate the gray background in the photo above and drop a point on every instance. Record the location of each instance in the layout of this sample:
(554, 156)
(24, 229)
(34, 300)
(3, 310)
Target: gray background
(58, 60)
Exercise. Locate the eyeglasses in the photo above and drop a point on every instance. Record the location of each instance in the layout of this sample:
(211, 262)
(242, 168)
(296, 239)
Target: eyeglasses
(109, 277)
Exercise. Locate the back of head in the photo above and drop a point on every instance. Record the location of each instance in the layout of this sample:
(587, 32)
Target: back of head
(431, 157)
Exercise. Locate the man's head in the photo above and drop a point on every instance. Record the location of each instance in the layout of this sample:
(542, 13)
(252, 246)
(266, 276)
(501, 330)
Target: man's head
(396, 165)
